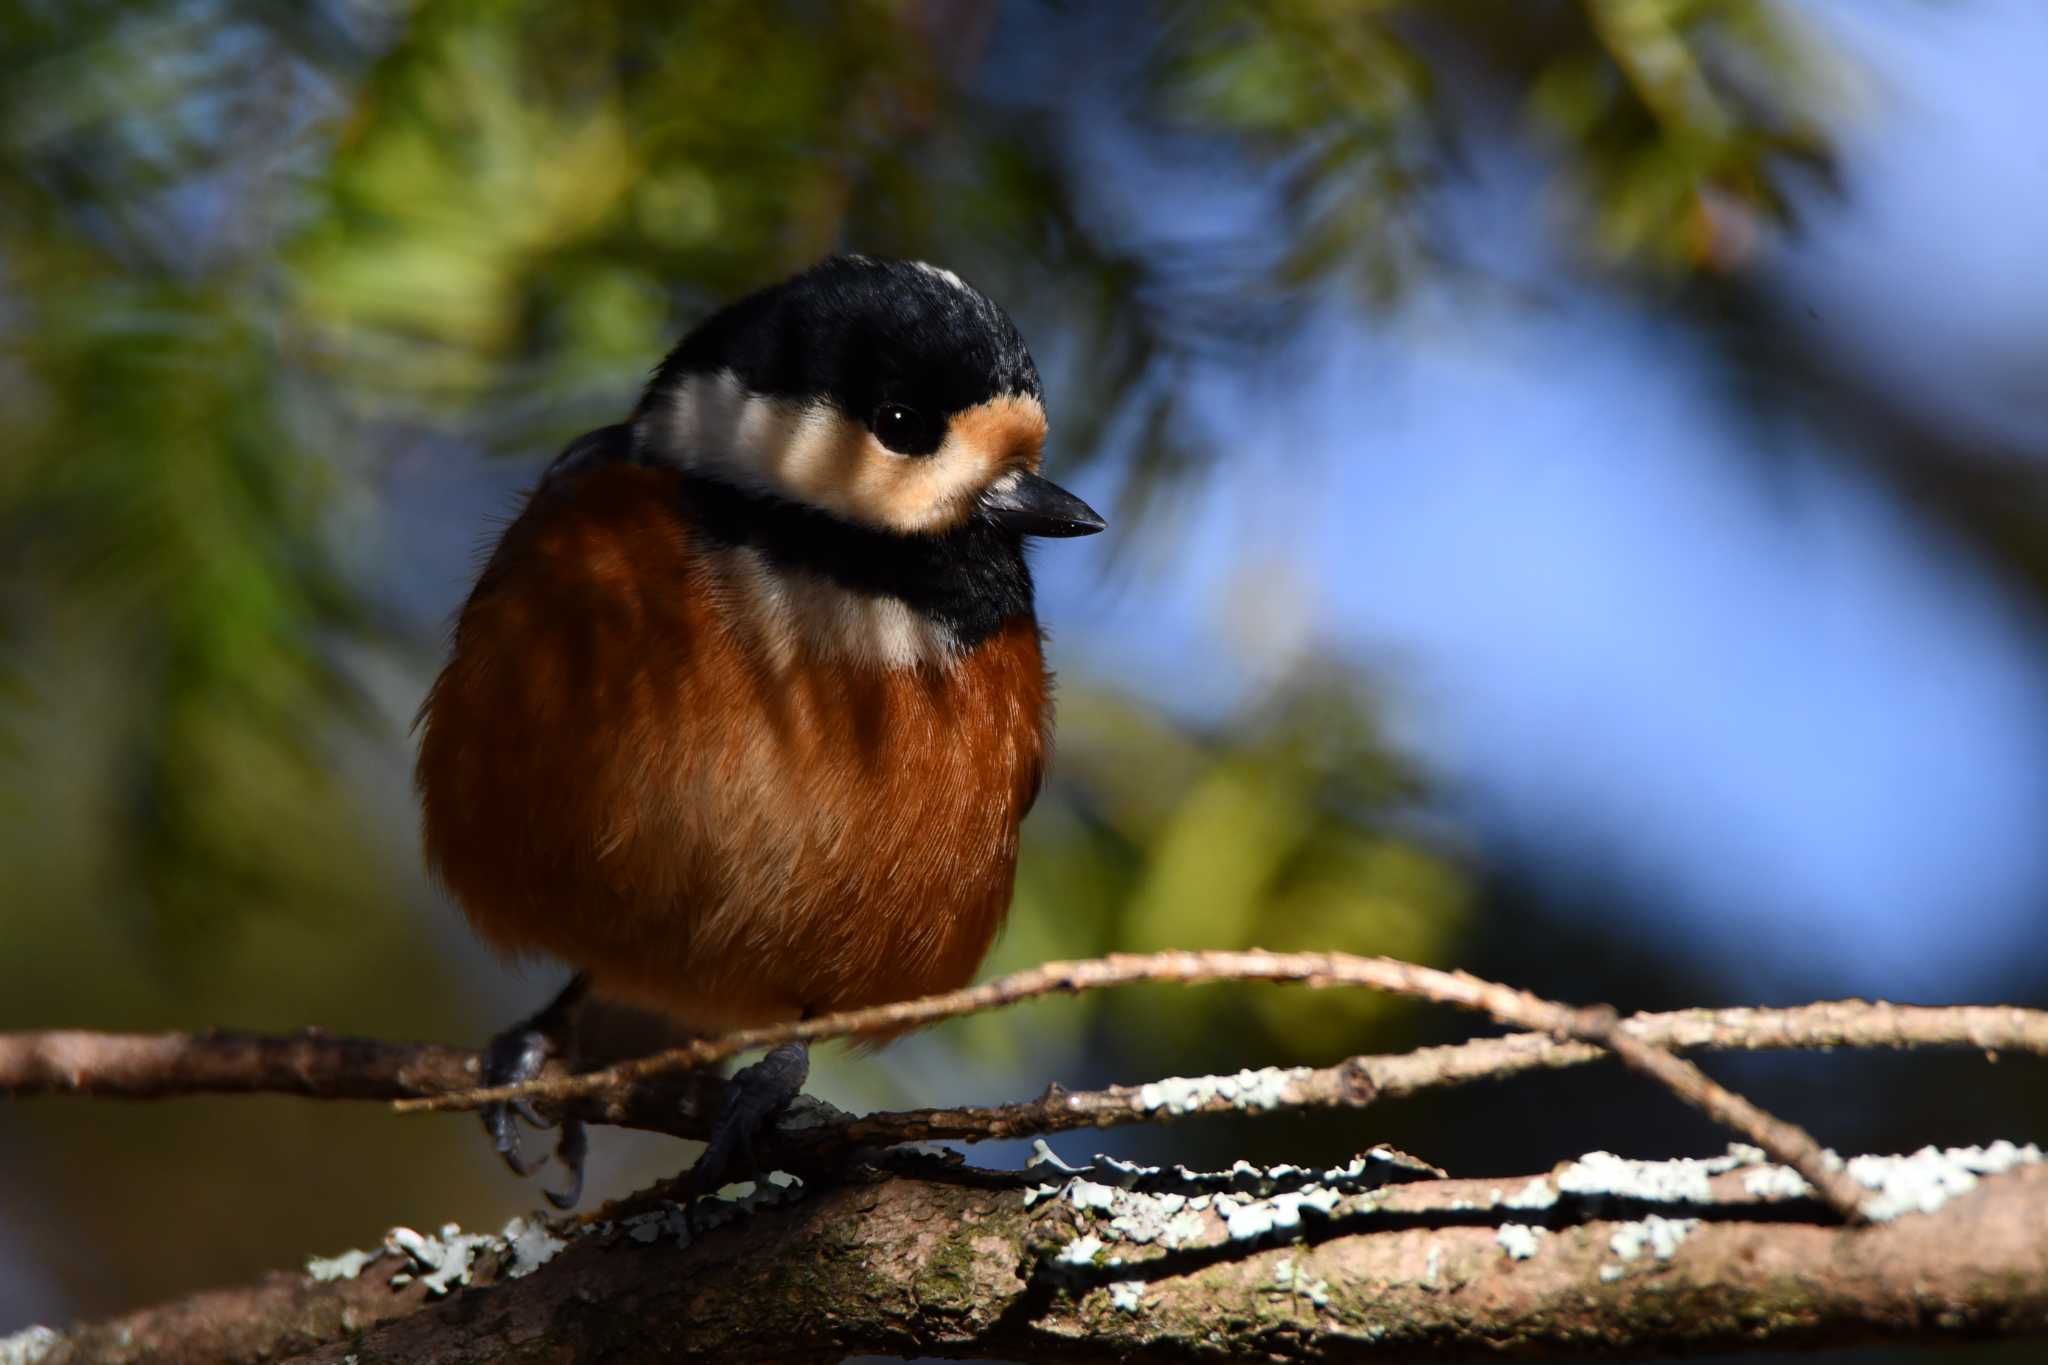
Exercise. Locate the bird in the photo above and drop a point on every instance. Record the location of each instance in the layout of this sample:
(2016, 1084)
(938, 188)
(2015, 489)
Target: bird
(746, 706)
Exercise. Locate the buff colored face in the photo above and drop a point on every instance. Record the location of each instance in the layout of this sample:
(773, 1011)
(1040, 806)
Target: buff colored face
(812, 453)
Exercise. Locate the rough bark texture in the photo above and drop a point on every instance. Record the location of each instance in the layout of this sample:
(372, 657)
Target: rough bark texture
(914, 1256)
(1601, 1258)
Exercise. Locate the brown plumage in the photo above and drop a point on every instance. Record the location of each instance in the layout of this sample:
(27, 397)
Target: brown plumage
(745, 710)
(626, 767)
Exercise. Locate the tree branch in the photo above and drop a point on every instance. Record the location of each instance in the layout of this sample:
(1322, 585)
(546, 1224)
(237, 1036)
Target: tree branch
(317, 1065)
(1787, 1142)
(1599, 1257)
(152, 1066)
(320, 1065)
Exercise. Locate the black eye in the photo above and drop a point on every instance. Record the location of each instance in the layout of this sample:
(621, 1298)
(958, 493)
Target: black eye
(906, 430)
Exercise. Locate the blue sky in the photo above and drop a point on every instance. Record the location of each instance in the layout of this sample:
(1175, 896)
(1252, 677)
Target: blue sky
(1758, 689)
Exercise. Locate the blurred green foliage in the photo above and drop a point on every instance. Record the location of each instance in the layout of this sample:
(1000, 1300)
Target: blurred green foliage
(1276, 828)
(245, 245)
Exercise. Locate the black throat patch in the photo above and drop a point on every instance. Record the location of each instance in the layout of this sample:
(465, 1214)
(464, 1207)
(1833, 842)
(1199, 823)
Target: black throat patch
(970, 580)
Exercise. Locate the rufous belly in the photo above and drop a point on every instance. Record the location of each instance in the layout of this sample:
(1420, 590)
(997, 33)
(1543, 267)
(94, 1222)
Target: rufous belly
(622, 768)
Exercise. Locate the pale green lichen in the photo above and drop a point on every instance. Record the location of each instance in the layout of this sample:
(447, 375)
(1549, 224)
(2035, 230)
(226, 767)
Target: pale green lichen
(1081, 1251)
(439, 1262)
(1043, 1155)
(1254, 1091)
(1519, 1240)
(346, 1266)
(1774, 1183)
(443, 1261)
(1290, 1280)
(1930, 1177)
(1918, 1183)
(1092, 1196)
(1605, 1175)
(1253, 1202)
(1657, 1235)
(1248, 1219)
(669, 1219)
(1163, 1218)
(1127, 1296)
(533, 1244)
(1168, 1220)
(28, 1346)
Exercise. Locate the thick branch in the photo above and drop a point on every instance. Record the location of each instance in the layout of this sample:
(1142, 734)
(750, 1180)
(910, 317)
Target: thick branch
(1600, 1258)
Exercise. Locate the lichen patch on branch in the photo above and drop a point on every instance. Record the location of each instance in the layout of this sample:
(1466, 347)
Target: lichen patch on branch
(28, 1346)
(1122, 1203)
(1930, 1177)
(1256, 1091)
(443, 1262)
(1656, 1234)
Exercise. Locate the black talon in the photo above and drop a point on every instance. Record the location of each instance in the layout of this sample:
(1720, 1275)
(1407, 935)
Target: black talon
(753, 1098)
(518, 1055)
(571, 1148)
(504, 1135)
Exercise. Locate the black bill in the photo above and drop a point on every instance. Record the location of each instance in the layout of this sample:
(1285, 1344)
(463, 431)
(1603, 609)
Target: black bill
(1033, 505)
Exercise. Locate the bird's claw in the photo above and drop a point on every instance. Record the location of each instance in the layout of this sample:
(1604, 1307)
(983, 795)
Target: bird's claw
(501, 1125)
(571, 1147)
(516, 1056)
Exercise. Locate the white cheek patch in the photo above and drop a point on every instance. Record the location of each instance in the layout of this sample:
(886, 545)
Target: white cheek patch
(815, 455)
(800, 615)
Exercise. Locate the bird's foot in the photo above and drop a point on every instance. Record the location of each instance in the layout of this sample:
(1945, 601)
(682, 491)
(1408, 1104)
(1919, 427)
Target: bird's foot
(518, 1055)
(754, 1097)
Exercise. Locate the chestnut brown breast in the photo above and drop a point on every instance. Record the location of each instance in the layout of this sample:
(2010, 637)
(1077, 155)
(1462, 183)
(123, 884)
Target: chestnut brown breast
(634, 765)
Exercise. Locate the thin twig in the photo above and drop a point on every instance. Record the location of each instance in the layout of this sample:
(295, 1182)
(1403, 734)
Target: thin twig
(1785, 1142)
(1788, 1142)
(1359, 1081)
(151, 1066)
(1315, 970)
(318, 1065)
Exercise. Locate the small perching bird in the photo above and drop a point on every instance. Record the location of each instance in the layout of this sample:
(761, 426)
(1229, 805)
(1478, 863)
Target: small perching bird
(748, 703)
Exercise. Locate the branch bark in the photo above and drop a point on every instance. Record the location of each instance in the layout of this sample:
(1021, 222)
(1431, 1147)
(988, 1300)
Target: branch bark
(1599, 1258)
(317, 1065)
(613, 1093)
(321, 1065)
(1599, 1025)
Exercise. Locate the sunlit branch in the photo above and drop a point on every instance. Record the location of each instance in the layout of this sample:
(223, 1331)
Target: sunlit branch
(319, 1066)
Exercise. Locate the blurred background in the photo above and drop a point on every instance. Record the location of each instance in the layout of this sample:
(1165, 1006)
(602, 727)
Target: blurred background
(1578, 470)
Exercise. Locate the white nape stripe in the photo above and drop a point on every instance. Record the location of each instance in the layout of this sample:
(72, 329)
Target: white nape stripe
(798, 614)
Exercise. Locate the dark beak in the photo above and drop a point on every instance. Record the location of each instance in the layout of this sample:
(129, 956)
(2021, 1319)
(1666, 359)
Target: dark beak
(1034, 506)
